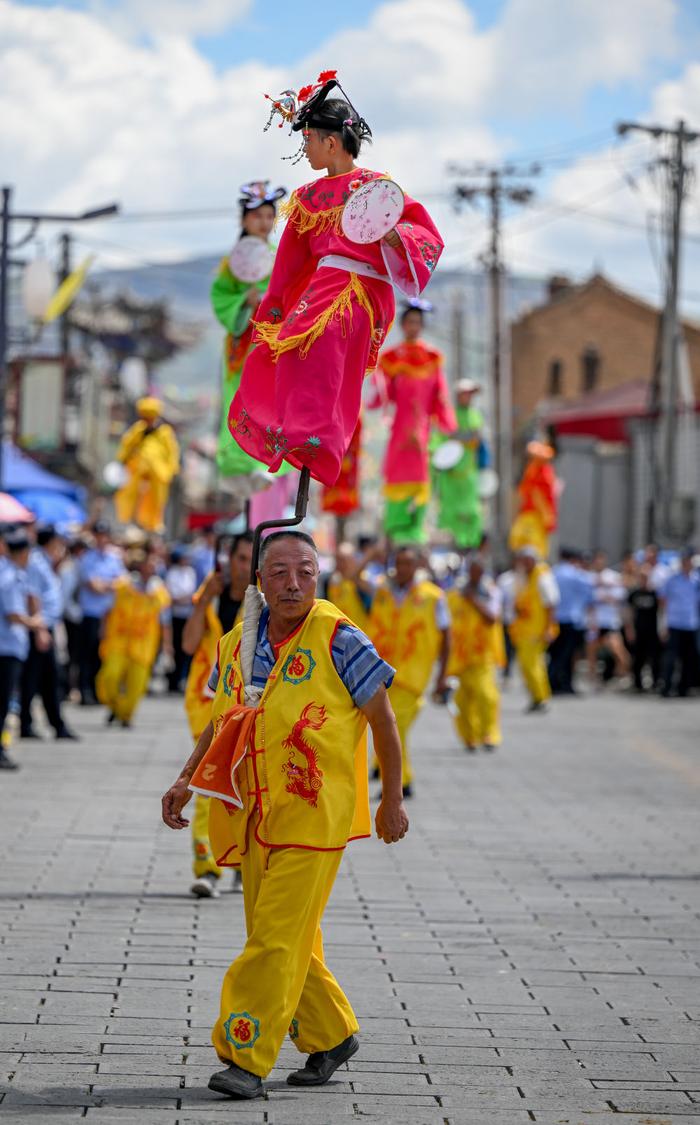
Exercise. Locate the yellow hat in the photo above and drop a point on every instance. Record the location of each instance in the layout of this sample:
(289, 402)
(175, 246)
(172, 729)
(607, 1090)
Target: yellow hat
(149, 407)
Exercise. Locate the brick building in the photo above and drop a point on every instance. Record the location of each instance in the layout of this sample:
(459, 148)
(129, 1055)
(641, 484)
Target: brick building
(586, 339)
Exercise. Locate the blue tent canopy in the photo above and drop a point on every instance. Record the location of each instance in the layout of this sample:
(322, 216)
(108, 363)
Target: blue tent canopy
(51, 498)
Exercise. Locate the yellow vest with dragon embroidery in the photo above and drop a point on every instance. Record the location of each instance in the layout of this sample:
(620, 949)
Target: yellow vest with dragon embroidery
(406, 635)
(304, 777)
(475, 642)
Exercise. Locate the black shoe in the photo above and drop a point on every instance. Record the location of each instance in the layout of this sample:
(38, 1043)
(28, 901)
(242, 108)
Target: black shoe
(126, 724)
(490, 746)
(67, 735)
(322, 1065)
(111, 718)
(7, 763)
(29, 732)
(236, 1083)
(537, 708)
(89, 701)
(375, 774)
(407, 791)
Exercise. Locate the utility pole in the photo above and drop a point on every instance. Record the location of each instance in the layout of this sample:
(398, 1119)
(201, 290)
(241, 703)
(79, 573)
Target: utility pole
(665, 393)
(64, 270)
(496, 186)
(7, 217)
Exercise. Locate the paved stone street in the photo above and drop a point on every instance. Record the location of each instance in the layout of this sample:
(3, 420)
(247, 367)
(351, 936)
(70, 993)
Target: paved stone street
(531, 952)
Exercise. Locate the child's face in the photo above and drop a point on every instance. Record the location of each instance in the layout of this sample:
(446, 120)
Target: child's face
(318, 150)
(260, 221)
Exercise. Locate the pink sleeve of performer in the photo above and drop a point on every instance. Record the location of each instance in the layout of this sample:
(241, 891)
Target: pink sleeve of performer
(411, 267)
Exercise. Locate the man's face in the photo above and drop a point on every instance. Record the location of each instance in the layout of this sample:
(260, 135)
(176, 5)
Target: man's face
(345, 560)
(406, 566)
(20, 558)
(148, 567)
(101, 540)
(476, 572)
(464, 398)
(241, 560)
(288, 579)
(687, 564)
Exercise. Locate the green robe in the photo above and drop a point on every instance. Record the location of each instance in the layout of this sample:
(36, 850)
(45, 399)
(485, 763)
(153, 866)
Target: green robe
(457, 489)
(228, 295)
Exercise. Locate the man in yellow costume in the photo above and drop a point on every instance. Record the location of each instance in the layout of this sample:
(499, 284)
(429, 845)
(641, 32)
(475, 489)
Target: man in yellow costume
(477, 651)
(137, 624)
(217, 608)
(410, 625)
(347, 588)
(534, 627)
(292, 771)
(151, 455)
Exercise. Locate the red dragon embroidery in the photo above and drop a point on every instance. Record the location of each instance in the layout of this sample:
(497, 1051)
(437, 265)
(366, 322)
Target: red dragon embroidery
(305, 781)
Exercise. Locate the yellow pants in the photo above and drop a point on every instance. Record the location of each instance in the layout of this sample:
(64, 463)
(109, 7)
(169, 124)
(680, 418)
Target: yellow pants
(477, 700)
(142, 501)
(280, 982)
(121, 683)
(530, 656)
(203, 862)
(406, 707)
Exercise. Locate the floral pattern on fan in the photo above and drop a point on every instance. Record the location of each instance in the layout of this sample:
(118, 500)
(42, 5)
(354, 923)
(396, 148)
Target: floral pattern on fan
(372, 211)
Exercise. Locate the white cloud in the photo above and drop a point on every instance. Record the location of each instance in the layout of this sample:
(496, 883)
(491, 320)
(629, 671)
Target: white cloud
(171, 17)
(89, 114)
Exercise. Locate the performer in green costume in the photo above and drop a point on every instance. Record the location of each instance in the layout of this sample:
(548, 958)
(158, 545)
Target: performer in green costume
(234, 302)
(457, 489)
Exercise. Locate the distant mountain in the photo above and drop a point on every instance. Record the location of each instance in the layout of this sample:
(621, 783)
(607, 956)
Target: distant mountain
(185, 286)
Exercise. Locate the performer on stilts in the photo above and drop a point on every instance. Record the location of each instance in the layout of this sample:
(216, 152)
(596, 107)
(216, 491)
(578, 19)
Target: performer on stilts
(151, 456)
(457, 488)
(539, 502)
(410, 379)
(330, 301)
(235, 301)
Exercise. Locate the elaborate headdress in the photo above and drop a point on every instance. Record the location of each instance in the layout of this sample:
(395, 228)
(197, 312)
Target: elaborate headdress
(307, 109)
(417, 304)
(257, 192)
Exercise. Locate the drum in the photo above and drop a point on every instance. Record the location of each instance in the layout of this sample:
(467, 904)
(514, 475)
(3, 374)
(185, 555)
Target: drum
(372, 211)
(251, 259)
(447, 455)
(114, 474)
(488, 484)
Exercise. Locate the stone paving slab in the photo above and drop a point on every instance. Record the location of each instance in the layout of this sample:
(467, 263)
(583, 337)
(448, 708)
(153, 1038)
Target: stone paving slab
(531, 952)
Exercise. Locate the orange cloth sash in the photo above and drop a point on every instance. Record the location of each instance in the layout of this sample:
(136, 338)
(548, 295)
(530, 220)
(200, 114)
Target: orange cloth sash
(215, 775)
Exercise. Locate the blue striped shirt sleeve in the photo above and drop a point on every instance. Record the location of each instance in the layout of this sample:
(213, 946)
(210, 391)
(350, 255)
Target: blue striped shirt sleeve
(358, 664)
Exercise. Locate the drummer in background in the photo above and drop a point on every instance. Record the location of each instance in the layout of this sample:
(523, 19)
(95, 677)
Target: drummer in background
(457, 488)
(234, 302)
(410, 382)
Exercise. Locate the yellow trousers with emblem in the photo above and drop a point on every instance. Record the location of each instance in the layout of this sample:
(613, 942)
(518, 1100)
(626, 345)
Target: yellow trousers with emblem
(280, 982)
(477, 700)
(406, 707)
(203, 862)
(533, 666)
(121, 683)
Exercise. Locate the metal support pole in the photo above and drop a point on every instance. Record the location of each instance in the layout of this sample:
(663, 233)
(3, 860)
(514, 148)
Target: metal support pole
(300, 510)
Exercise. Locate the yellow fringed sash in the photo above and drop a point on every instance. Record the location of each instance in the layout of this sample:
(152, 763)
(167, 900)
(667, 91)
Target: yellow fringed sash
(303, 221)
(266, 333)
(417, 491)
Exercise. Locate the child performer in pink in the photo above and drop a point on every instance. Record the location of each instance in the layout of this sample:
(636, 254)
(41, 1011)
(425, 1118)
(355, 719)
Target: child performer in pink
(330, 301)
(411, 379)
